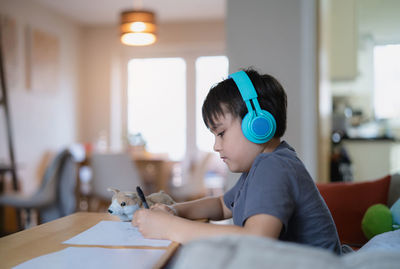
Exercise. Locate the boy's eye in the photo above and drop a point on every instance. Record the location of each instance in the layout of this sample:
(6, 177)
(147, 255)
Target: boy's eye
(123, 204)
(221, 134)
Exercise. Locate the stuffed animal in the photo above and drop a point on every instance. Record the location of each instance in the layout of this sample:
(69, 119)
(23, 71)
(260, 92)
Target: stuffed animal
(125, 203)
(379, 219)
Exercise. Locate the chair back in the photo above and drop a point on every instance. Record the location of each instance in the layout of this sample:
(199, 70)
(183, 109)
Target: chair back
(55, 196)
(116, 170)
(59, 183)
(48, 183)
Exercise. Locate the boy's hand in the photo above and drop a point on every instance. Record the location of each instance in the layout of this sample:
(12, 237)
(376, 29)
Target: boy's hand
(165, 208)
(152, 223)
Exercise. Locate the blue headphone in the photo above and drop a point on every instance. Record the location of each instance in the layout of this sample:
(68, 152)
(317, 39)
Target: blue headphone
(258, 125)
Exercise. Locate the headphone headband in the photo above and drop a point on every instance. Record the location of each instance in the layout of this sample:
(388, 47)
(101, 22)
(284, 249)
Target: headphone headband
(247, 90)
(244, 85)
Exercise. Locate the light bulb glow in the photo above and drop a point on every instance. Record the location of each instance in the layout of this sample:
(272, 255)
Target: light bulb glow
(138, 26)
(138, 39)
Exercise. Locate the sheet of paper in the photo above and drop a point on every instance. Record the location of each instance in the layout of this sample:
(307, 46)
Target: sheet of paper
(114, 233)
(95, 257)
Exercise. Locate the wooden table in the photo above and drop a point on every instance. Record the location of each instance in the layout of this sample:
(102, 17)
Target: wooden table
(46, 238)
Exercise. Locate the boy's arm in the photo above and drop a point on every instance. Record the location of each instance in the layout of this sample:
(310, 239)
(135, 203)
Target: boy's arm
(160, 225)
(182, 230)
(212, 208)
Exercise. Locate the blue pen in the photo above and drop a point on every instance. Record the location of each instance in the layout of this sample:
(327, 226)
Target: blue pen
(141, 195)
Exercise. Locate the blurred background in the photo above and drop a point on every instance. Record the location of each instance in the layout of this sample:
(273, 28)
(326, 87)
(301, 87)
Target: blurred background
(131, 115)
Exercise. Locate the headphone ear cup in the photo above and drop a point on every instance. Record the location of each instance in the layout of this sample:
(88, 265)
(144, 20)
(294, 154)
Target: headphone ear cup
(270, 125)
(259, 129)
(246, 126)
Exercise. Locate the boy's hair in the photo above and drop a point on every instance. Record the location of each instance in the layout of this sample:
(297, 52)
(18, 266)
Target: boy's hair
(225, 97)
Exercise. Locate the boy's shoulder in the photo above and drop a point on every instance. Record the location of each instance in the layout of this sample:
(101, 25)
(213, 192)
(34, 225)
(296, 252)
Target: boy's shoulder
(282, 162)
(282, 153)
(284, 148)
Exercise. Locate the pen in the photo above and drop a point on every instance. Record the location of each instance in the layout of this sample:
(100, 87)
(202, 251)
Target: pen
(141, 195)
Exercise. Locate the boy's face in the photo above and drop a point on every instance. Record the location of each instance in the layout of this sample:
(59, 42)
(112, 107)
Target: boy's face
(234, 149)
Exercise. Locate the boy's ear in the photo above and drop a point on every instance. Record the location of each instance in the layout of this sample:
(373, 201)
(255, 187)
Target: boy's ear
(113, 190)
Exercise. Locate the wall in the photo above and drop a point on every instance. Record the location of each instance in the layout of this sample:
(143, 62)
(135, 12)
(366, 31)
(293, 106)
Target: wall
(279, 38)
(104, 73)
(90, 101)
(41, 121)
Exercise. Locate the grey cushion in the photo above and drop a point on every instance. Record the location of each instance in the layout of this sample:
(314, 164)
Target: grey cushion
(235, 251)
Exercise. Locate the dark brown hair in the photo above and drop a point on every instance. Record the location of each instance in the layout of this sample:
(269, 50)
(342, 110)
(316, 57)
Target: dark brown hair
(271, 97)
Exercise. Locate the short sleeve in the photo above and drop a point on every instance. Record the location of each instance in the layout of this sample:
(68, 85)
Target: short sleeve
(270, 191)
(229, 196)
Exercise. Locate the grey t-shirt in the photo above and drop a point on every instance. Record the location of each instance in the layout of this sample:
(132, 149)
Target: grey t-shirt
(278, 184)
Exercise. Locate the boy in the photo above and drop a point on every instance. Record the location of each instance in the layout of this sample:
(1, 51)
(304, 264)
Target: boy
(275, 196)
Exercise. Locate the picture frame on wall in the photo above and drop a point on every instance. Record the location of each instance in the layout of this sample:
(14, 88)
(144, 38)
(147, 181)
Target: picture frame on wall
(42, 60)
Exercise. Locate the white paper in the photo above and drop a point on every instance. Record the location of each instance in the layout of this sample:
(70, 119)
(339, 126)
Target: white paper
(114, 233)
(95, 257)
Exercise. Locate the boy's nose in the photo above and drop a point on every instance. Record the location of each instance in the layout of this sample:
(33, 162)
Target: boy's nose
(217, 146)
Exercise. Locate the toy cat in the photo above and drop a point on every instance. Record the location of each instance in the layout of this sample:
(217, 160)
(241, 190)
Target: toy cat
(125, 203)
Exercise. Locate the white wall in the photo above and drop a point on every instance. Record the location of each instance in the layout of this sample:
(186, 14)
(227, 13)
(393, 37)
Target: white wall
(41, 121)
(279, 38)
(91, 98)
(105, 65)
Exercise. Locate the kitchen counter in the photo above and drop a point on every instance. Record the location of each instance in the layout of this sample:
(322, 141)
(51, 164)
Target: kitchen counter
(372, 139)
(373, 158)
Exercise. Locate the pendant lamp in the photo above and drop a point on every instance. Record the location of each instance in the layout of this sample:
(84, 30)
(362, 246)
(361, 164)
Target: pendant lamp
(138, 28)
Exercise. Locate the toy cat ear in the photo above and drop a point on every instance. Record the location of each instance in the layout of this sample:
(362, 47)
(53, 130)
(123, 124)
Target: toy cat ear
(130, 194)
(113, 190)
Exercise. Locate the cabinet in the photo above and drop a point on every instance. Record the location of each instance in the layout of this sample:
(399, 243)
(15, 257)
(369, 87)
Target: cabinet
(373, 159)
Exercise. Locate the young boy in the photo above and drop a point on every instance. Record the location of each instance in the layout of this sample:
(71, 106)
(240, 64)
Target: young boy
(275, 196)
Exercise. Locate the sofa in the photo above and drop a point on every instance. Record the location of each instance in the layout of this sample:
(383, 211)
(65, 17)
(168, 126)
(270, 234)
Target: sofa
(238, 252)
(348, 202)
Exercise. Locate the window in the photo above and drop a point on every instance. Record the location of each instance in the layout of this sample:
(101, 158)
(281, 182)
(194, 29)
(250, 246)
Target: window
(387, 81)
(157, 104)
(209, 71)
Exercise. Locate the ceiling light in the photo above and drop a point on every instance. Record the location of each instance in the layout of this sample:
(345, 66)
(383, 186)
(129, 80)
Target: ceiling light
(138, 28)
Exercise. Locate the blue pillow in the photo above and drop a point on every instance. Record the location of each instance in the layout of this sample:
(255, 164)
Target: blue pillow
(395, 209)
